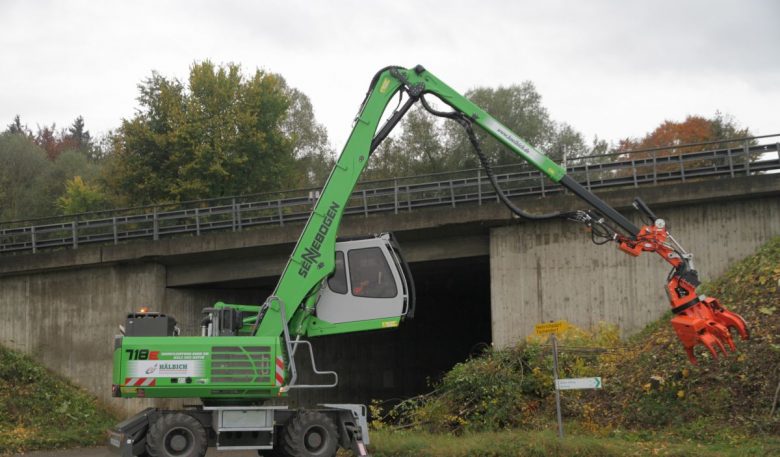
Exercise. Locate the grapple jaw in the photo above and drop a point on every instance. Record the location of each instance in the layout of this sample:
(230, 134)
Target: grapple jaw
(704, 321)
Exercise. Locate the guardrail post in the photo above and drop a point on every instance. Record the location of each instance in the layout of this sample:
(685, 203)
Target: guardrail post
(731, 162)
(114, 228)
(197, 221)
(238, 217)
(365, 203)
(395, 195)
(655, 168)
(233, 213)
(74, 233)
(408, 199)
(747, 158)
(587, 176)
(541, 180)
(32, 239)
(279, 211)
(452, 193)
(155, 225)
(633, 172)
(682, 167)
(479, 185)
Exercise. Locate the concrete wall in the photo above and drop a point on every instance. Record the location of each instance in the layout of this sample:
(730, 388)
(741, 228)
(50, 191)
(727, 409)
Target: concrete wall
(551, 270)
(67, 319)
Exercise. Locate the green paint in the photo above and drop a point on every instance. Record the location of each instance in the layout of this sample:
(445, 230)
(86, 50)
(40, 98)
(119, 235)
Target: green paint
(318, 327)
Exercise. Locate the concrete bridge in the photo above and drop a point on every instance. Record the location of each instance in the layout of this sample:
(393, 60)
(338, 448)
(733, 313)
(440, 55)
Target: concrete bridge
(483, 277)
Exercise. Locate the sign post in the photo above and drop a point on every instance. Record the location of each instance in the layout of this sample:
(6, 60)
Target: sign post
(552, 329)
(557, 391)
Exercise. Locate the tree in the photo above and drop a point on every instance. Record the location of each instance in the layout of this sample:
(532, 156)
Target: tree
(78, 134)
(313, 154)
(220, 134)
(520, 108)
(16, 127)
(670, 136)
(81, 197)
(23, 178)
(417, 149)
(694, 129)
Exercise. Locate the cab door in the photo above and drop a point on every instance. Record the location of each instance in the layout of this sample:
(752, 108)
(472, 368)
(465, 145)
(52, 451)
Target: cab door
(367, 283)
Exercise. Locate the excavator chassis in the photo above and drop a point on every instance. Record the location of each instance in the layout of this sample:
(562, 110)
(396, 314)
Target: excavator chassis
(271, 430)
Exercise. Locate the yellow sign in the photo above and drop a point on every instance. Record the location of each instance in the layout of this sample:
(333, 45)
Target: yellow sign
(557, 327)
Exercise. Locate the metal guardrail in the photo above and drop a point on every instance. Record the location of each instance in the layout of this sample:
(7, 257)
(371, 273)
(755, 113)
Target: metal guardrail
(748, 156)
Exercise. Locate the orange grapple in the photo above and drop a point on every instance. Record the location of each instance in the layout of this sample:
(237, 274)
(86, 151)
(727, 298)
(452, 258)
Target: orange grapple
(698, 319)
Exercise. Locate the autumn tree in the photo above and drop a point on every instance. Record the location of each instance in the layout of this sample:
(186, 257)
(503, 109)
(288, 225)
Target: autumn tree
(56, 141)
(36, 166)
(694, 129)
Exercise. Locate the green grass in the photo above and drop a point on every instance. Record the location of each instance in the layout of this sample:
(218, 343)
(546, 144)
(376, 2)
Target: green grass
(42, 410)
(546, 443)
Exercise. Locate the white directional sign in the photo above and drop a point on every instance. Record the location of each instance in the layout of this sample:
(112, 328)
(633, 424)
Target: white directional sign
(578, 383)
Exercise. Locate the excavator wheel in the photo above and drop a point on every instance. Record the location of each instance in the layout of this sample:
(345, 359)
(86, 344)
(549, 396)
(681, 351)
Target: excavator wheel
(310, 434)
(176, 435)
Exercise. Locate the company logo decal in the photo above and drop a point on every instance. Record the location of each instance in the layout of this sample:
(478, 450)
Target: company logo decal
(312, 254)
(165, 369)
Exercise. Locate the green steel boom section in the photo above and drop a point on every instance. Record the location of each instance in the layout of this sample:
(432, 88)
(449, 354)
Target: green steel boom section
(313, 258)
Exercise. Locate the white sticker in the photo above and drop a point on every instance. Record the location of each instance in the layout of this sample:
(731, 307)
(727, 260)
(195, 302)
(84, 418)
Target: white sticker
(165, 368)
(524, 148)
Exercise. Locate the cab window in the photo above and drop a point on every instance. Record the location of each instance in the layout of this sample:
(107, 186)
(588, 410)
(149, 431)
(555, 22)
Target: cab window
(338, 281)
(370, 275)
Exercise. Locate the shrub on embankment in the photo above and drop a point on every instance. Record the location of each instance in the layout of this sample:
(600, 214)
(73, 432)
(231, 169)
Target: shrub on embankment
(40, 409)
(649, 385)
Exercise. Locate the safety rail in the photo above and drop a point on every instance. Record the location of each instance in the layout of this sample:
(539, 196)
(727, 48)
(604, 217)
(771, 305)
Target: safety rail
(724, 159)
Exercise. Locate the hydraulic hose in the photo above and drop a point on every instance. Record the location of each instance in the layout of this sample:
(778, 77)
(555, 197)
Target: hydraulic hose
(466, 124)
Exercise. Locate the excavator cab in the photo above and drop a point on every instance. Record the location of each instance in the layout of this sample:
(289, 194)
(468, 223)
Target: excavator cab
(371, 281)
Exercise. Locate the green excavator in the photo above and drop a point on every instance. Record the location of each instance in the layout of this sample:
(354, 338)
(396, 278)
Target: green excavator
(245, 354)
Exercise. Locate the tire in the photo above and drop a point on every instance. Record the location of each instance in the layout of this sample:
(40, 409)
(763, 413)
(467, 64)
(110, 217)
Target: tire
(176, 435)
(310, 434)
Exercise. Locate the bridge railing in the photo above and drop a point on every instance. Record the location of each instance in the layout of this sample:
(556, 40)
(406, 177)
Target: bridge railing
(681, 163)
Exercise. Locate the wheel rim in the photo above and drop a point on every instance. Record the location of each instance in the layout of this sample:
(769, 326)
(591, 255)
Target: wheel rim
(178, 441)
(315, 439)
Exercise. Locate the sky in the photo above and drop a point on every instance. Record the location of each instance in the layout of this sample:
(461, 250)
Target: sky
(611, 69)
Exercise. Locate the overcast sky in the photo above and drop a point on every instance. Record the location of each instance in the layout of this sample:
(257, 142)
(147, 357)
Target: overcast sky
(608, 68)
